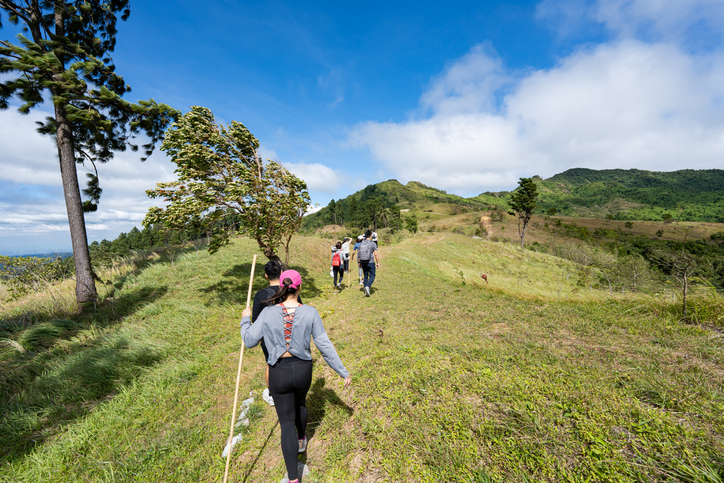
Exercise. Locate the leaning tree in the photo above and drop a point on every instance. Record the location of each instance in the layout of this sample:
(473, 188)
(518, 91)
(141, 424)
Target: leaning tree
(220, 177)
(63, 56)
(523, 202)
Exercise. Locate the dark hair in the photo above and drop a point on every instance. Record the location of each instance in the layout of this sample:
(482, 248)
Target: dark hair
(285, 290)
(339, 244)
(272, 269)
(368, 233)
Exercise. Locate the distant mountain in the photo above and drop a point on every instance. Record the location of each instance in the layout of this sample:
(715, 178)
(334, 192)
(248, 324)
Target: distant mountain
(46, 255)
(354, 210)
(633, 194)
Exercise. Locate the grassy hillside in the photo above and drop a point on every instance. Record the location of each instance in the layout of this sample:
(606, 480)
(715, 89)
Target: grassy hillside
(414, 197)
(531, 377)
(686, 195)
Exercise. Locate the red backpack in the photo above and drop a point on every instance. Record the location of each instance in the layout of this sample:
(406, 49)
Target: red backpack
(336, 260)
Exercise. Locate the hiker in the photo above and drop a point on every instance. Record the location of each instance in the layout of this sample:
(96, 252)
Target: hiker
(271, 273)
(369, 260)
(287, 327)
(338, 264)
(374, 238)
(345, 249)
(354, 252)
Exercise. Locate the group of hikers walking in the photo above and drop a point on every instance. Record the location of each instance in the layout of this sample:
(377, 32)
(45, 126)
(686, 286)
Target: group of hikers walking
(368, 260)
(285, 328)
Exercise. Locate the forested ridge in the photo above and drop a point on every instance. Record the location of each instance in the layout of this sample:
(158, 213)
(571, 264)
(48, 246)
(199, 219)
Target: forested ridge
(634, 194)
(619, 194)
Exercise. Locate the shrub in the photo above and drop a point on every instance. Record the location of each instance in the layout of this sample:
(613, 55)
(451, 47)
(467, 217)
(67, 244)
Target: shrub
(23, 275)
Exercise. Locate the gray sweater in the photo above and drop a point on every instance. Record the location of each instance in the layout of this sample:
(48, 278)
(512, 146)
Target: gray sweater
(307, 324)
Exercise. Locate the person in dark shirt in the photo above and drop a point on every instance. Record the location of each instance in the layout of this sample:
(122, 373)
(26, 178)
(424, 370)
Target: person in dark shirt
(272, 270)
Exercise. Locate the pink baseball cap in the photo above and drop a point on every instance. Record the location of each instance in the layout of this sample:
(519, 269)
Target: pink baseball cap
(293, 275)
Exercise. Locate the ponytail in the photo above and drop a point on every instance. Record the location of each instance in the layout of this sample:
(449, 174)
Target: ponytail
(285, 290)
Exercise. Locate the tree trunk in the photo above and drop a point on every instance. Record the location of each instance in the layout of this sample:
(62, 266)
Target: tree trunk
(85, 287)
(522, 234)
(268, 251)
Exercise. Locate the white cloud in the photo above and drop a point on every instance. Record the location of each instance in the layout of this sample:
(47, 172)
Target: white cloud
(32, 206)
(468, 85)
(626, 104)
(663, 18)
(657, 20)
(26, 156)
(265, 153)
(319, 178)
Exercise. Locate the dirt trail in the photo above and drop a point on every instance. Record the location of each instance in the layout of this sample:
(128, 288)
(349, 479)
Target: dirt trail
(486, 222)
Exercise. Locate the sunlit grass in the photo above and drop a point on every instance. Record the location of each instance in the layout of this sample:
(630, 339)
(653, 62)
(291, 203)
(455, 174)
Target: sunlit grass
(532, 377)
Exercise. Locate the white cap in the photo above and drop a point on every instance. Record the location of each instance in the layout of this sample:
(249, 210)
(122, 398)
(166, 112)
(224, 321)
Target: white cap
(374, 236)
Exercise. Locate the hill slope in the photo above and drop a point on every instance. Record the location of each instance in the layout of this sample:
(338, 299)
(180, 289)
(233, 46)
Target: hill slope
(528, 378)
(687, 195)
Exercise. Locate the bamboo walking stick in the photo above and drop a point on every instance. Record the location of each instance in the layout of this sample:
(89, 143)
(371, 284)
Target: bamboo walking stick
(238, 377)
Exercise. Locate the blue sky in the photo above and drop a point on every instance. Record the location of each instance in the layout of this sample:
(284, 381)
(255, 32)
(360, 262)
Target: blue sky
(463, 96)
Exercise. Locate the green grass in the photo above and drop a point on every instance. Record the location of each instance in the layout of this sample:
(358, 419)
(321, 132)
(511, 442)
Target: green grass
(528, 378)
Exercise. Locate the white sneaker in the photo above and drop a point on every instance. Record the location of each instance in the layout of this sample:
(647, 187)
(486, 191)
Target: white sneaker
(303, 445)
(339, 286)
(303, 471)
(267, 397)
(361, 284)
(367, 291)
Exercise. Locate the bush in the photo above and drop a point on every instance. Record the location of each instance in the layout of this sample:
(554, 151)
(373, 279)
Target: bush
(23, 275)
(411, 224)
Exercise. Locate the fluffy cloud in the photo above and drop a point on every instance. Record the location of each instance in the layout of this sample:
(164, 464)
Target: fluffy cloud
(623, 104)
(26, 156)
(32, 205)
(319, 178)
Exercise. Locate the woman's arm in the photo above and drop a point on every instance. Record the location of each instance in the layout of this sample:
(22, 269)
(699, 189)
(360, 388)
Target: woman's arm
(252, 334)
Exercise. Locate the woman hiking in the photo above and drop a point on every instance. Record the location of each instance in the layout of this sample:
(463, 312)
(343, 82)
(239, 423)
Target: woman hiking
(338, 260)
(272, 270)
(287, 328)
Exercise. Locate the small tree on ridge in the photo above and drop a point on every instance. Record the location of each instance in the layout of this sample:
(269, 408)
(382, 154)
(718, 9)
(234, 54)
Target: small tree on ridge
(523, 202)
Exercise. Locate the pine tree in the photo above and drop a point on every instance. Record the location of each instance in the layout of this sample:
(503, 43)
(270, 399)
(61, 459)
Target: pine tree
(66, 60)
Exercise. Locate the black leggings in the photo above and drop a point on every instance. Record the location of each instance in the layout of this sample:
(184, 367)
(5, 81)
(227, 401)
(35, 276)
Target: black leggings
(289, 381)
(338, 271)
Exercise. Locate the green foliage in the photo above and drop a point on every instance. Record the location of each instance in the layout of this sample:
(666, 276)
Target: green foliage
(377, 206)
(523, 203)
(221, 177)
(24, 275)
(411, 224)
(696, 195)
